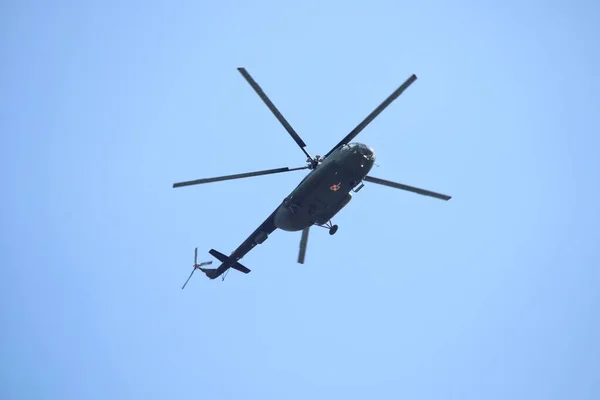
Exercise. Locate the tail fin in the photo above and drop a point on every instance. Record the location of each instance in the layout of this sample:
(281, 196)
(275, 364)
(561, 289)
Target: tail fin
(228, 262)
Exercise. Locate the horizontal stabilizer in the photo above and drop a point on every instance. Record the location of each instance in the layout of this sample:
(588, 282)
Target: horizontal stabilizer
(218, 255)
(228, 262)
(239, 267)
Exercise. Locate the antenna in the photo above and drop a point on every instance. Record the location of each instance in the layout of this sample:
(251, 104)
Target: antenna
(196, 266)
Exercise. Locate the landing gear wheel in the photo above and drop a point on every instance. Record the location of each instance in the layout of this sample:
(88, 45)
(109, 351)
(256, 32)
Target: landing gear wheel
(333, 230)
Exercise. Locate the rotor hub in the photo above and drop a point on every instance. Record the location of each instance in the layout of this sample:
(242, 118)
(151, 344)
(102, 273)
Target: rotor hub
(314, 162)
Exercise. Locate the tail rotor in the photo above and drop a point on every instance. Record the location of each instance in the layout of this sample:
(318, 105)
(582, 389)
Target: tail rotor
(196, 266)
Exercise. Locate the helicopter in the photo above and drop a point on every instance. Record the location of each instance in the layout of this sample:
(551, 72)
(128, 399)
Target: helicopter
(320, 195)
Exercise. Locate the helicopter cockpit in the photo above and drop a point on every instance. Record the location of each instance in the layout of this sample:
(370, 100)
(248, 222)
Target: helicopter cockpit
(362, 149)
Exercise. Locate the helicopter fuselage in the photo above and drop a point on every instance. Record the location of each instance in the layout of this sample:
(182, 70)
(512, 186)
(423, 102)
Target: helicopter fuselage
(326, 189)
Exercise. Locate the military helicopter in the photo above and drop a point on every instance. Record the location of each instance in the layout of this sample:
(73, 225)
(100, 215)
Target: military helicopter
(320, 195)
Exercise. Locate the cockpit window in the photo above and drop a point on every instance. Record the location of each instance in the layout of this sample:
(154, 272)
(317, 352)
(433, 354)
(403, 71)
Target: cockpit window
(362, 149)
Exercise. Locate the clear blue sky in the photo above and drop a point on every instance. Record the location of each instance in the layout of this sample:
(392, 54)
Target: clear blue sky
(492, 295)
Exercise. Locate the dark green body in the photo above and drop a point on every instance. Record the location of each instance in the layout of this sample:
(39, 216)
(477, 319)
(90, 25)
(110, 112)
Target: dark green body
(313, 202)
(326, 189)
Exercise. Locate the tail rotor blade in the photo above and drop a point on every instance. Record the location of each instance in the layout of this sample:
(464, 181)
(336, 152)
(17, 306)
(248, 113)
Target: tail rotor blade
(196, 256)
(188, 279)
(303, 244)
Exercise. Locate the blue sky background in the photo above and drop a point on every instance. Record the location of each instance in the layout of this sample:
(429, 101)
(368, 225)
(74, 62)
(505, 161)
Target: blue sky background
(492, 295)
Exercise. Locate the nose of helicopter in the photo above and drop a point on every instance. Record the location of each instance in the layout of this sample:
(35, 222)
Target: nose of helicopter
(363, 151)
(366, 151)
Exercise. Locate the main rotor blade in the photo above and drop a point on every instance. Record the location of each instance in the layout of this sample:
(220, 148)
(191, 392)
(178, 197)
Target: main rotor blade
(406, 187)
(303, 243)
(274, 110)
(375, 113)
(237, 176)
